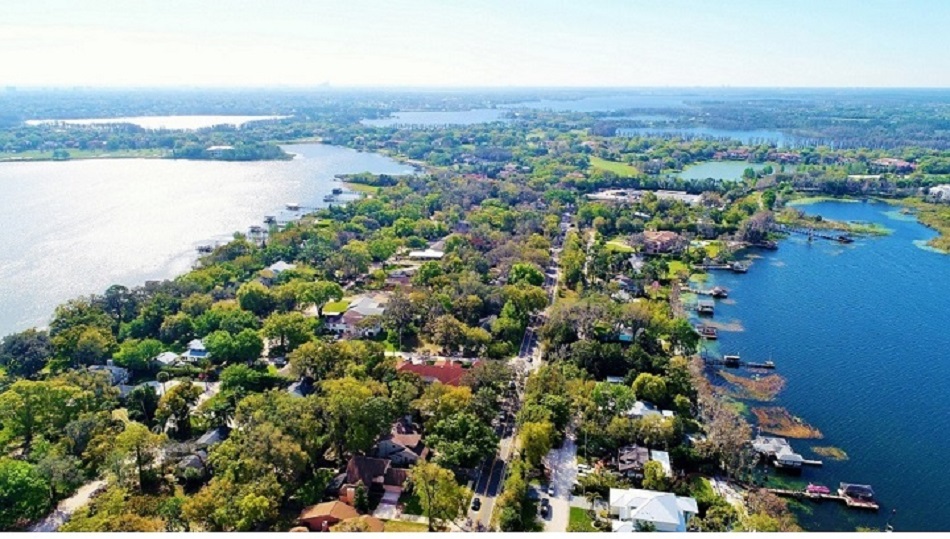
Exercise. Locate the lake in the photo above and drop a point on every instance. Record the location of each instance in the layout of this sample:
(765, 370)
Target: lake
(860, 333)
(77, 227)
(717, 170)
(608, 103)
(745, 136)
(187, 123)
(438, 118)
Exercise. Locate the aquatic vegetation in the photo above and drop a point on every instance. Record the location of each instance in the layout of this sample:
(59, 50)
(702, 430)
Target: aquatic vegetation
(764, 388)
(834, 453)
(779, 421)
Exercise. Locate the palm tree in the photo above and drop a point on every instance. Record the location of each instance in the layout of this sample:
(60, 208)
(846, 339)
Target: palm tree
(162, 377)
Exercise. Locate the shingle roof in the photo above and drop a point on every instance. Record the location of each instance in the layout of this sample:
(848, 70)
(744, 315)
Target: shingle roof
(335, 509)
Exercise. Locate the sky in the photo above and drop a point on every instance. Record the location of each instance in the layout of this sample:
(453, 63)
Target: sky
(479, 43)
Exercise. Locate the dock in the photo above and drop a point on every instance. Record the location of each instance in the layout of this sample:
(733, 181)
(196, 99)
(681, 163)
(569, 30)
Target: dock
(816, 233)
(801, 494)
(736, 362)
(716, 291)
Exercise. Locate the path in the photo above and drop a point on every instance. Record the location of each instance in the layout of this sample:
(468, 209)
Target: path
(562, 462)
(67, 507)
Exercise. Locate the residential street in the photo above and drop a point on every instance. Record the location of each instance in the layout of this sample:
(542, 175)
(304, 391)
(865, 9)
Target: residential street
(562, 462)
(67, 507)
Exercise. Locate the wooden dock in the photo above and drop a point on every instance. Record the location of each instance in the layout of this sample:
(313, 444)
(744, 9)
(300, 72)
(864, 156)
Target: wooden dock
(716, 292)
(801, 494)
(816, 233)
(735, 362)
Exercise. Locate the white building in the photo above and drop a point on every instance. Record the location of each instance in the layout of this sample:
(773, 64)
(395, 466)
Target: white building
(196, 350)
(638, 509)
(281, 266)
(642, 409)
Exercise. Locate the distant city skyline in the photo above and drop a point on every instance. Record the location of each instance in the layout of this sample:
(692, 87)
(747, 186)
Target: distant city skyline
(490, 43)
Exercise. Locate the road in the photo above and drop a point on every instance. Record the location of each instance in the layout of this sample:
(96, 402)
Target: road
(562, 462)
(67, 507)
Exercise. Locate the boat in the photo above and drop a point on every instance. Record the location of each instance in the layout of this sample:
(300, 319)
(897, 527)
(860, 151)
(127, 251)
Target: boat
(705, 307)
(254, 229)
(844, 238)
(719, 292)
(731, 360)
(293, 206)
(269, 219)
(739, 267)
(329, 198)
(817, 489)
(707, 332)
(337, 191)
(204, 249)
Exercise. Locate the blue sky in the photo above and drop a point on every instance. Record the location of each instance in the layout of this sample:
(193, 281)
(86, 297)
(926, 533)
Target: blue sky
(795, 43)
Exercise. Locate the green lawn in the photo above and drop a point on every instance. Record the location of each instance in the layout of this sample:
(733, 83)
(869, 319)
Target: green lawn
(677, 266)
(620, 169)
(579, 521)
(36, 155)
(363, 188)
(402, 526)
(618, 246)
(336, 306)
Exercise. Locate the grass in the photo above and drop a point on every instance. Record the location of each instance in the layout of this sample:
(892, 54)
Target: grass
(403, 526)
(37, 155)
(410, 504)
(677, 266)
(618, 245)
(620, 169)
(336, 306)
(579, 521)
(816, 199)
(935, 216)
(833, 453)
(777, 420)
(765, 388)
(363, 188)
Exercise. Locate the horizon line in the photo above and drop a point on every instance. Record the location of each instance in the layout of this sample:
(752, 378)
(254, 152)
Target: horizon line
(328, 87)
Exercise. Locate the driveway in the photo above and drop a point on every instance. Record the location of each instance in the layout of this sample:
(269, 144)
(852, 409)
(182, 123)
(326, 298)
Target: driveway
(562, 462)
(67, 507)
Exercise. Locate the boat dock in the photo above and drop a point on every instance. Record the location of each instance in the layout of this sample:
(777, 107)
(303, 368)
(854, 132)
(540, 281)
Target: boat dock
(816, 233)
(716, 291)
(736, 362)
(735, 267)
(817, 496)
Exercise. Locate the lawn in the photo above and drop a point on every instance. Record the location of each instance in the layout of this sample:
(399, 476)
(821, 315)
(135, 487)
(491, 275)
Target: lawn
(618, 168)
(37, 155)
(403, 526)
(336, 306)
(579, 521)
(363, 188)
(618, 245)
(676, 266)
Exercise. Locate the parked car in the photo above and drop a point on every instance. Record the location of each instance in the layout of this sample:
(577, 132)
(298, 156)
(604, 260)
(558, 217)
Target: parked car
(551, 490)
(476, 504)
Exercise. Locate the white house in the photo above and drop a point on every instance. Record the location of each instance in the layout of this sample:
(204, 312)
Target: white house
(428, 254)
(642, 409)
(168, 358)
(281, 266)
(196, 350)
(636, 509)
(349, 321)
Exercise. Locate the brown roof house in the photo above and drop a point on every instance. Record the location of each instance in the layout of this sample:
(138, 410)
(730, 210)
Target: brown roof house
(402, 446)
(320, 517)
(449, 373)
(364, 523)
(375, 474)
(662, 242)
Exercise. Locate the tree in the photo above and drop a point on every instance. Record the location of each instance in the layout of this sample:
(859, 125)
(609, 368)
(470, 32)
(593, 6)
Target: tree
(399, 316)
(442, 498)
(650, 387)
(24, 495)
(654, 477)
(314, 359)
(684, 336)
(224, 505)
(255, 297)
(84, 345)
(317, 293)
(24, 354)
(525, 273)
(135, 354)
(537, 439)
(177, 328)
(462, 441)
(291, 329)
(174, 409)
(141, 445)
(62, 473)
(357, 412)
(28, 409)
(439, 401)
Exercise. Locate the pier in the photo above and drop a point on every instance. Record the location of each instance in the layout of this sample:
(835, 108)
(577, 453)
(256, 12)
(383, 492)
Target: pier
(802, 494)
(716, 291)
(735, 362)
(816, 233)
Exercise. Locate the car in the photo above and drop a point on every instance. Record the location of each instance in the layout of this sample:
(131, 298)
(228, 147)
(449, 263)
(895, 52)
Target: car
(551, 490)
(476, 504)
(545, 501)
(544, 510)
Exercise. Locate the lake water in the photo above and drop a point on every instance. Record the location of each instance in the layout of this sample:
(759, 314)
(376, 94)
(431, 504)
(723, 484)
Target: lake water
(76, 227)
(860, 333)
(718, 170)
(165, 122)
(438, 118)
(609, 103)
(749, 136)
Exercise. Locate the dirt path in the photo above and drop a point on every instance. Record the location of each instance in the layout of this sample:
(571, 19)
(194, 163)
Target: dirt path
(67, 507)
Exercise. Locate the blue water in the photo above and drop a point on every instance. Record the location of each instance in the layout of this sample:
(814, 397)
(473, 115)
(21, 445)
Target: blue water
(746, 136)
(718, 170)
(861, 334)
(438, 118)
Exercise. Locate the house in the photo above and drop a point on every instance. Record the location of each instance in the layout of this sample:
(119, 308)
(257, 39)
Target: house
(661, 242)
(642, 409)
(280, 266)
(218, 151)
(213, 437)
(323, 515)
(449, 373)
(898, 165)
(940, 193)
(196, 350)
(375, 474)
(400, 277)
(428, 254)
(117, 375)
(779, 451)
(347, 318)
(636, 509)
(631, 460)
(168, 359)
(402, 446)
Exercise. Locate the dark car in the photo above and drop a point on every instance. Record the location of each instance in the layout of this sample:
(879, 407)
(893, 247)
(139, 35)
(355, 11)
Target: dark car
(476, 504)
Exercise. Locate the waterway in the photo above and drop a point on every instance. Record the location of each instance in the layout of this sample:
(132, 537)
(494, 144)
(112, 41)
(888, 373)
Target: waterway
(76, 227)
(438, 118)
(718, 170)
(860, 333)
(187, 123)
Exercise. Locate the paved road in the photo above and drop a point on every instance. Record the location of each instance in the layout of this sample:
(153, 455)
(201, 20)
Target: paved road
(562, 462)
(67, 507)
